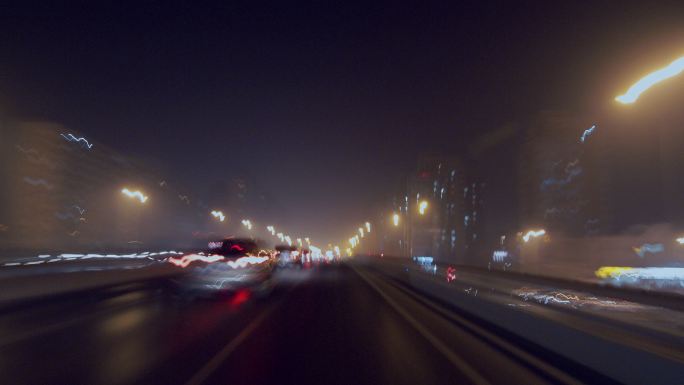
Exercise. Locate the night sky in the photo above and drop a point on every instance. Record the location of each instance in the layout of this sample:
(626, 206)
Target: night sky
(328, 103)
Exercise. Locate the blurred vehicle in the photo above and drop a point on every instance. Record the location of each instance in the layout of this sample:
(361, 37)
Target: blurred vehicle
(228, 265)
(288, 256)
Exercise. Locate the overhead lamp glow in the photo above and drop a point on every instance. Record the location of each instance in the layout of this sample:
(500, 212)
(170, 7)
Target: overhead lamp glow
(533, 234)
(218, 215)
(135, 194)
(648, 81)
(422, 206)
(395, 219)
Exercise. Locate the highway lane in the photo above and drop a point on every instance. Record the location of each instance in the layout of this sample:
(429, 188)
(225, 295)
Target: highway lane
(327, 326)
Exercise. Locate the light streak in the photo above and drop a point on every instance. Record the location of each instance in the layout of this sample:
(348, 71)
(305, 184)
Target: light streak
(611, 271)
(79, 209)
(134, 194)
(587, 133)
(246, 261)
(247, 223)
(362, 232)
(72, 138)
(680, 240)
(571, 165)
(368, 227)
(271, 230)
(395, 219)
(649, 248)
(643, 84)
(281, 237)
(288, 240)
(219, 215)
(33, 156)
(186, 260)
(38, 182)
(308, 241)
(533, 234)
(673, 275)
(299, 242)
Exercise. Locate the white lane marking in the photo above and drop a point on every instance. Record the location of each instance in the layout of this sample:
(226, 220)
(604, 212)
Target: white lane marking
(457, 361)
(221, 356)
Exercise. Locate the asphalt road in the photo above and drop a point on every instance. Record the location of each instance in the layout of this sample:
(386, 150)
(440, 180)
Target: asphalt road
(338, 325)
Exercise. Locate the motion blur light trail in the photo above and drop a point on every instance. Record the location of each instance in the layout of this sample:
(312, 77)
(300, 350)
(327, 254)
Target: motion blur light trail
(186, 260)
(587, 133)
(633, 93)
(134, 194)
(72, 138)
(48, 258)
(533, 234)
(246, 261)
(219, 215)
(241, 262)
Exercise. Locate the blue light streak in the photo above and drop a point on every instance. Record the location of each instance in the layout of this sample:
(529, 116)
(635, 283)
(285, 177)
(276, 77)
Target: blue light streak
(587, 133)
(72, 138)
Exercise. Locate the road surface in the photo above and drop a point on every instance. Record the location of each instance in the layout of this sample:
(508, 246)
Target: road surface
(334, 325)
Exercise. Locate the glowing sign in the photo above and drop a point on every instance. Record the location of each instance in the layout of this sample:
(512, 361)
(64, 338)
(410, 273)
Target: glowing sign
(587, 133)
(219, 215)
(72, 138)
(135, 194)
(533, 234)
(632, 94)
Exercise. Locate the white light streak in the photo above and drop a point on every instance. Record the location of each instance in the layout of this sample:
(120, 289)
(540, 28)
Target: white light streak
(587, 133)
(135, 194)
(219, 215)
(72, 138)
(533, 234)
(633, 93)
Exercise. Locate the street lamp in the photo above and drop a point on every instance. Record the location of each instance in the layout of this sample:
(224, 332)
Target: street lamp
(368, 227)
(648, 81)
(533, 234)
(361, 232)
(422, 206)
(135, 195)
(395, 219)
(247, 223)
(218, 215)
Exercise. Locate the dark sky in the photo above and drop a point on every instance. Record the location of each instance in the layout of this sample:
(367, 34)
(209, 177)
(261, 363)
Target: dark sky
(328, 102)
